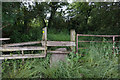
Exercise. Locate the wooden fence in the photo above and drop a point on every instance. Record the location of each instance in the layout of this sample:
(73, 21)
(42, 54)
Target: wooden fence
(44, 42)
(16, 47)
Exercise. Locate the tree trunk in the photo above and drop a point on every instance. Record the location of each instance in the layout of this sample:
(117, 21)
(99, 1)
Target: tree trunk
(53, 11)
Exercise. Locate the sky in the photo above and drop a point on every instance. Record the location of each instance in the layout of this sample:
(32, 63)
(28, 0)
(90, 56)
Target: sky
(48, 15)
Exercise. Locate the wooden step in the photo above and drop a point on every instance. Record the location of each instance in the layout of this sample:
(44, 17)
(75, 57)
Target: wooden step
(58, 52)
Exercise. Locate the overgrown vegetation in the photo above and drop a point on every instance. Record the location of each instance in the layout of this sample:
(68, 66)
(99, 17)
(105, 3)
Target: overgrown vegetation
(98, 62)
(24, 22)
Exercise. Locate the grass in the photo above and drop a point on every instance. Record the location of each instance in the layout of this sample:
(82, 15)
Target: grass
(55, 35)
(98, 62)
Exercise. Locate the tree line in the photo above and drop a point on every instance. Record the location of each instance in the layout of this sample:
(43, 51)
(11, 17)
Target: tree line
(24, 21)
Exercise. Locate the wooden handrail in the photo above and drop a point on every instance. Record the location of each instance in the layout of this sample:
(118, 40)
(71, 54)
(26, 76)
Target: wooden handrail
(21, 44)
(1, 39)
(49, 43)
(21, 48)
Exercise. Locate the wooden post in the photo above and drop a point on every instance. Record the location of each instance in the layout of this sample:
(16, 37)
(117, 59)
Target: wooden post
(44, 38)
(113, 44)
(72, 36)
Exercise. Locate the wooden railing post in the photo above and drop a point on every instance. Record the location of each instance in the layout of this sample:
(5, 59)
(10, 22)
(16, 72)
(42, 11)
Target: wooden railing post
(72, 36)
(113, 44)
(44, 38)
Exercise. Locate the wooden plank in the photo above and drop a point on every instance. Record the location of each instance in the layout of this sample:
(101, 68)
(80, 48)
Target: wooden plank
(59, 52)
(99, 35)
(49, 43)
(23, 43)
(20, 48)
(60, 43)
(4, 39)
(20, 56)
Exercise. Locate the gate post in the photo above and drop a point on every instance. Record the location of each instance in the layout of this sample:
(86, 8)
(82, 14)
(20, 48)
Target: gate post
(72, 37)
(44, 38)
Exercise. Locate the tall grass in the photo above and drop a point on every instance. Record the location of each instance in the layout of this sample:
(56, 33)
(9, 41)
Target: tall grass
(99, 62)
(55, 35)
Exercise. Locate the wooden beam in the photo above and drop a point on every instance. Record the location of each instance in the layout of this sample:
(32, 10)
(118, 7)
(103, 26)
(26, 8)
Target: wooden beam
(60, 43)
(4, 39)
(59, 52)
(20, 48)
(23, 43)
(20, 56)
(49, 43)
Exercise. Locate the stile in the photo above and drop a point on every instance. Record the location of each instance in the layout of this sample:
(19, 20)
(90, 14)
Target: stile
(60, 43)
(60, 52)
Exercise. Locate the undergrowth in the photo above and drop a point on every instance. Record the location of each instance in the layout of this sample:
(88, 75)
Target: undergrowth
(99, 62)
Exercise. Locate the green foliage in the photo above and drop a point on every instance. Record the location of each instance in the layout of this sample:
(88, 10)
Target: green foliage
(26, 23)
(58, 35)
(92, 17)
(101, 62)
(9, 13)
